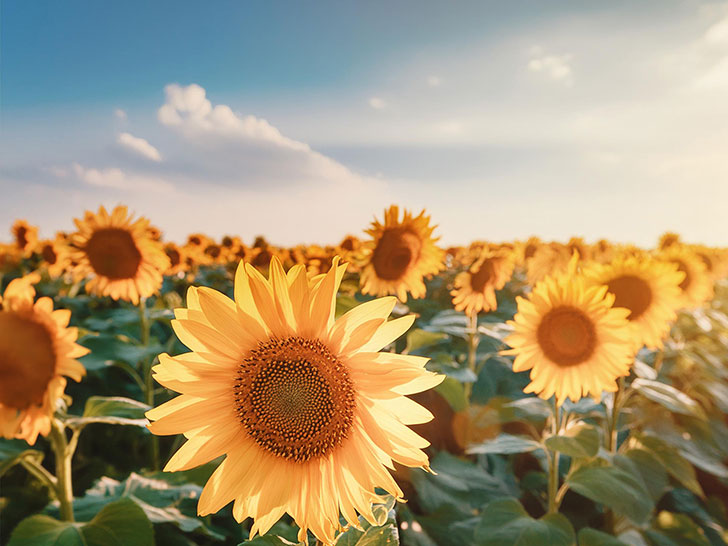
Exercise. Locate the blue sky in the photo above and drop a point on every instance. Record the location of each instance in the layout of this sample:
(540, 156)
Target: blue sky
(301, 121)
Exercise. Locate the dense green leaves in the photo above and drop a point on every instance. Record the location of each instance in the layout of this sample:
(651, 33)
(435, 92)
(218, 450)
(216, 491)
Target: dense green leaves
(506, 523)
(615, 488)
(120, 523)
(592, 537)
(581, 440)
(668, 397)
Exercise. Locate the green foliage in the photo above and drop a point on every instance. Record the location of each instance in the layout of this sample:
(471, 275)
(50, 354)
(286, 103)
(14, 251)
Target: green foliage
(506, 523)
(117, 524)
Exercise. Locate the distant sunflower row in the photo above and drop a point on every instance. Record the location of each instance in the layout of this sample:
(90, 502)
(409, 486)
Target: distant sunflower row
(125, 258)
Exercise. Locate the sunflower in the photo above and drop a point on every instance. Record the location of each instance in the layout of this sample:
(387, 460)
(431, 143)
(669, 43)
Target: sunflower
(37, 349)
(55, 256)
(697, 284)
(305, 408)
(118, 254)
(176, 256)
(400, 255)
(648, 288)
(25, 237)
(475, 289)
(548, 259)
(570, 337)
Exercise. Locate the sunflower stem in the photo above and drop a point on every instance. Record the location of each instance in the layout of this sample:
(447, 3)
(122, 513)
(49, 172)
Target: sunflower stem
(145, 328)
(553, 505)
(614, 420)
(473, 341)
(64, 482)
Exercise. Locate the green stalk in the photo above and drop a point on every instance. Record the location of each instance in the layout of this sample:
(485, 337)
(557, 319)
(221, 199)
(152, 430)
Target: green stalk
(473, 342)
(612, 438)
(63, 455)
(553, 505)
(145, 328)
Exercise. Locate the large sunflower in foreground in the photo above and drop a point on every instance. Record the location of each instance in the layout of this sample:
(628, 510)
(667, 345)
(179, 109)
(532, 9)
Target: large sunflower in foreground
(307, 411)
(648, 288)
(118, 255)
(475, 289)
(697, 285)
(570, 337)
(402, 253)
(37, 350)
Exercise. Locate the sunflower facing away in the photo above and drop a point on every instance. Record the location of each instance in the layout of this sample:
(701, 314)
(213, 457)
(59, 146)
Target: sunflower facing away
(697, 285)
(37, 350)
(475, 289)
(307, 411)
(570, 337)
(648, 288)
(401, 254)
(118, 255)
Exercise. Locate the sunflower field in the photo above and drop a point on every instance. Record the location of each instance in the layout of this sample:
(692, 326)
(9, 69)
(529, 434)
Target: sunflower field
(386, 390)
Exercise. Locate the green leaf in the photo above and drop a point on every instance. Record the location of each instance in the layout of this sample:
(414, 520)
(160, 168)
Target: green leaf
(647, 468)
(530, 409)
(419, 339)
(506, 523)
(113, 410)
(592, 537)
(614, 488)
(107, 349)
(14, 451)
(162, 499)
(668, 397)
(117, 524)
(581, 440)
(452, 391)
(463, 485)
(679, 468)
(681, 529)
(505, 444)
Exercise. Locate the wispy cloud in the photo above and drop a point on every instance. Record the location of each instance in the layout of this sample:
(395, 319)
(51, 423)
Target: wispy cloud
(120, 114)
(115, 178)
(434, 81)
(139, 146)
(556, 67)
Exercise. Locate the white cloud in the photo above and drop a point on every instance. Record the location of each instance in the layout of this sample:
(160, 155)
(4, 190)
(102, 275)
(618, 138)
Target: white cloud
(556, 67)
(188, 109)
(377, 103)
(120, 114)
(139, 146)
(434, 81)
(116, 178)
(717, 33)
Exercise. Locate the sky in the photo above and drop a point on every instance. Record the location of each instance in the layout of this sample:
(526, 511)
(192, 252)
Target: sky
(303, 121)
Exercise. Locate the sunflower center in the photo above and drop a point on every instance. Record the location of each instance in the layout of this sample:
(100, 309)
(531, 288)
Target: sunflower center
(22, 236)
(27, 361)
(113, 253)
(482, 276)
(567, 336)
(49, 255)
(397, 249)
(173, 255)
(685, 284)
(295, 398)
(631, 292)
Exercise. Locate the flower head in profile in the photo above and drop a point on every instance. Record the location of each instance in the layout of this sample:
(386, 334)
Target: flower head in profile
(25, 237)
(475, 289)
(37, 352)
(570, 337)
(118, 255)
(696, 286)
(402, 252)
(307, 411)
